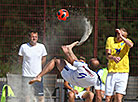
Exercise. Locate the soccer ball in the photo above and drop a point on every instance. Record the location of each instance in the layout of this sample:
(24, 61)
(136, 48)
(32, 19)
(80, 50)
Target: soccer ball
(62, 14)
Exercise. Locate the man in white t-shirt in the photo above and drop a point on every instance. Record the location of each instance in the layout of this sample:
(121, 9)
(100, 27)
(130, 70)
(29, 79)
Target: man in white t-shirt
(83, 76)
(32, 56)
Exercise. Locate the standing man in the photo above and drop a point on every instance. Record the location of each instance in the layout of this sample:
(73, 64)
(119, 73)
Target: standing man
(32, 56)
(117, 49)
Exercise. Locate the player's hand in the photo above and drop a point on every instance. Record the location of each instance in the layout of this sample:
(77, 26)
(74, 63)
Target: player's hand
(75, 91)
(120, 33)
(116, 59)
(117, 30)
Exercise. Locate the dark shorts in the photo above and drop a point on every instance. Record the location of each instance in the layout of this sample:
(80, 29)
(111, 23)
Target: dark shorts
(35, 88)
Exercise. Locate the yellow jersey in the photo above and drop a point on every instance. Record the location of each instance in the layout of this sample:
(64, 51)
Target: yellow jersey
(119, 49)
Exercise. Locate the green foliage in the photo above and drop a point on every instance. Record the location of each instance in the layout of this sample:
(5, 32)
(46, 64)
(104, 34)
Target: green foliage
(4, 68)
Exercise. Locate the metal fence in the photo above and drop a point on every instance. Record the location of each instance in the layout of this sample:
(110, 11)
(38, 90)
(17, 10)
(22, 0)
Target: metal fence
(18, 17)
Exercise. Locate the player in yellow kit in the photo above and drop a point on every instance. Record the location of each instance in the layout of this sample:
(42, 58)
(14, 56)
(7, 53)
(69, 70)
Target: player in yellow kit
(117, 49)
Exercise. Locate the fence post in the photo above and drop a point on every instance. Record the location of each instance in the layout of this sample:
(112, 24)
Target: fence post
(116, 21)
(44, 33)
(96, 28)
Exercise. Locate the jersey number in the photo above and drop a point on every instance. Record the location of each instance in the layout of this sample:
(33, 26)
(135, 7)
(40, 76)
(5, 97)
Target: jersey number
(81, 75)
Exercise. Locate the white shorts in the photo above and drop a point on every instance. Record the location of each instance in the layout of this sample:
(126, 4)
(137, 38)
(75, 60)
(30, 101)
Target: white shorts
(99, 86)
(79, 95)
(116, 82)
(67, 72)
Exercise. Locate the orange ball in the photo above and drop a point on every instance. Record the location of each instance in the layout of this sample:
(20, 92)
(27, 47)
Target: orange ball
(62, 14)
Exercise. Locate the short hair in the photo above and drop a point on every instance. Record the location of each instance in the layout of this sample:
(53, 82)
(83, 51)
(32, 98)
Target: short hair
(82, 58)
(124, 30)
(32, 32)
(94, 64)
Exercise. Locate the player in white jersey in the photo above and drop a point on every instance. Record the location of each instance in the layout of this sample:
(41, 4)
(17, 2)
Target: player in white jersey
(75, 92)
(83, 76)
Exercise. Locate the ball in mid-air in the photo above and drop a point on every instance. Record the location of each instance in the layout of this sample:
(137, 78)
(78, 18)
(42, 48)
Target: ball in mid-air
(62, 14)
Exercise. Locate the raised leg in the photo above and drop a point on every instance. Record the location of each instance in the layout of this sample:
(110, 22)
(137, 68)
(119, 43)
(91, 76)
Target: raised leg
(60, 64)
(67, 49)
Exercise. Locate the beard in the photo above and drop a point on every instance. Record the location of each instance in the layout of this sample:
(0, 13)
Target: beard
(33, 42)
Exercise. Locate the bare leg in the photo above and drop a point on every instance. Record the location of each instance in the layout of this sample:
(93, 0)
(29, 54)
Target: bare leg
(113, 99)
(69, 53)
(71, 96)
(59, 63)
(41, 99)
(108, 99)
(98, 96)
(118, 97)
(88, 96)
